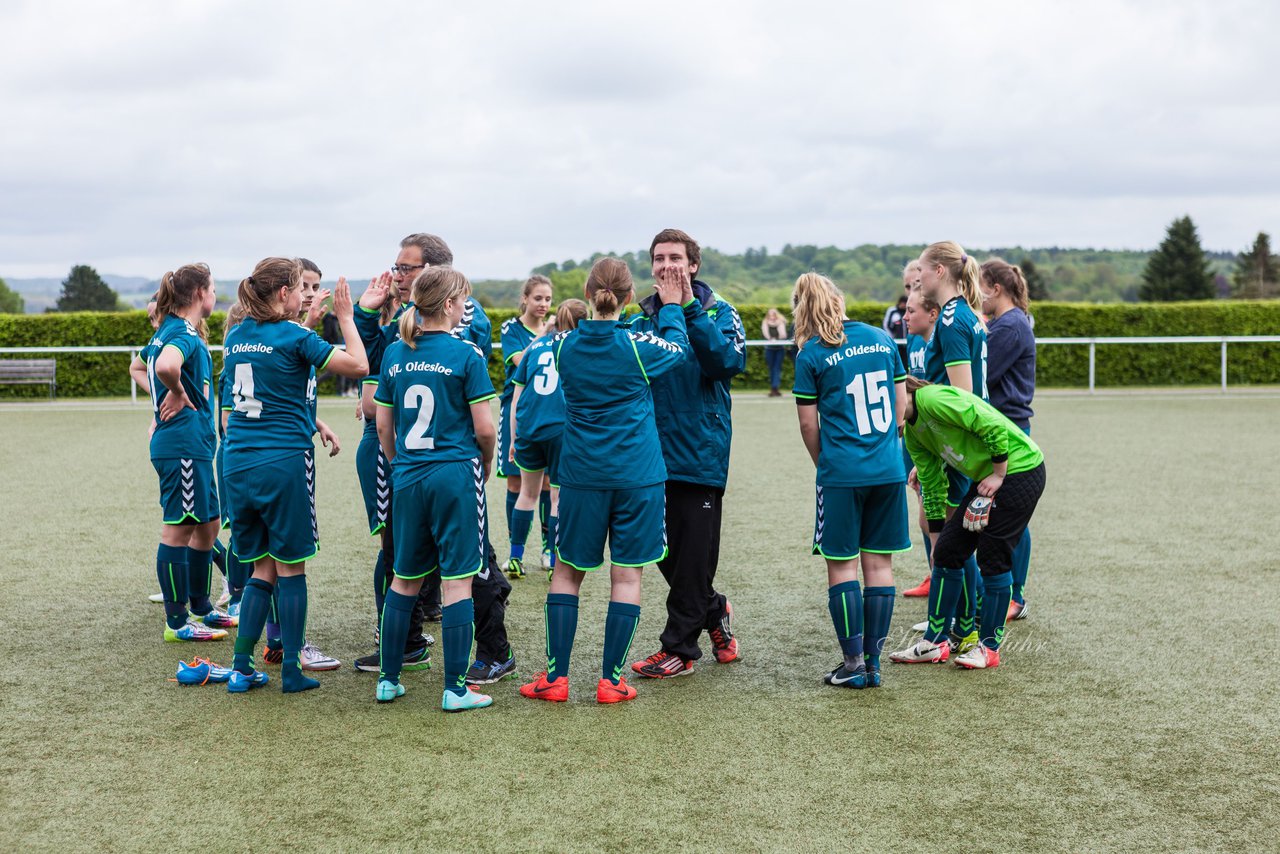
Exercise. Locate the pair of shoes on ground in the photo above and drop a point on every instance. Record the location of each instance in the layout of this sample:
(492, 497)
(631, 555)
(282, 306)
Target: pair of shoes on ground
(388, 691)
(557, 690)
(665, 665)
(310, 657)
(978, 657)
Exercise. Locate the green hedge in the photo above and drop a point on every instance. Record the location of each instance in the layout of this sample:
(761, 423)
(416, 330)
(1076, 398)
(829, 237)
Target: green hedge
(106, 374)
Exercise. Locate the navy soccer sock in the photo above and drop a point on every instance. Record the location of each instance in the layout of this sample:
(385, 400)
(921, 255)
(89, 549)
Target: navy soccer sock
(944, 593)
(877, 610)
(291, 607)
(381, 579)
(995, 607)
(253, 616)
(397, 611)
(620, 625)
(544, 517)
(171, 571)
(553, 524)
(521, 522)
(199, 579)
(458, 625)
(967, 607)
(238, 573)
(1021, 565)
(844, 601)
(562, 625)
(511, 506)
(220, 556)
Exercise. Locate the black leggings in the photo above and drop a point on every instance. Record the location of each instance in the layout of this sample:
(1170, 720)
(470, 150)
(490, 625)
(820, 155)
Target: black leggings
(1010, 514)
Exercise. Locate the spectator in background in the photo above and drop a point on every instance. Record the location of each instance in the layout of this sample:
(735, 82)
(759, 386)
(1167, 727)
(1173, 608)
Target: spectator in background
(895, 323)
(774, 328)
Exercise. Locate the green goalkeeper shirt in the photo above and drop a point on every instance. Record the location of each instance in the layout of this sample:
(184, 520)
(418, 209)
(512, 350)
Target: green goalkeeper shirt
(959, 429)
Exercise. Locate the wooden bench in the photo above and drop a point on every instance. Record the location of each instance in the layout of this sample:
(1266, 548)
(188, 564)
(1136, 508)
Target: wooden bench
(30, 372)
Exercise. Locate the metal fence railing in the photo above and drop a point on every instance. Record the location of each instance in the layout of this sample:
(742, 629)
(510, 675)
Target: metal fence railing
(1092, 343)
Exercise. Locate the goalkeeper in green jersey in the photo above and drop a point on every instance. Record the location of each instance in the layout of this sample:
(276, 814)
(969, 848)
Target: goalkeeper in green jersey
(947, 426)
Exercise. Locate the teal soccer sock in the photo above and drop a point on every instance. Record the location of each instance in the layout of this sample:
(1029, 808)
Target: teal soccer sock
(944, 594)
(844, 602)
(1021, 565)
(521, 522)
(511, 506)
(397, 611)
(220, 556)
(171, 571)
(291, 607)
(199, 579)
(967, 607)
(254, 606)
(544, 517)
(562, 625)
(877, 611)
(620, 625)
(458, 625)
(997, 590)
(553, 525)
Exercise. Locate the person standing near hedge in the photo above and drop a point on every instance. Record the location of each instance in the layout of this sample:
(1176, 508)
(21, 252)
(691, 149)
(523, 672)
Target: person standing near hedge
(774, 328)
(692, 410)
(1011, 380)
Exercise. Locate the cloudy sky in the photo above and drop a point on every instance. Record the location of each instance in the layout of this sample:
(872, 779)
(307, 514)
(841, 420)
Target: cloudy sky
(139, 136)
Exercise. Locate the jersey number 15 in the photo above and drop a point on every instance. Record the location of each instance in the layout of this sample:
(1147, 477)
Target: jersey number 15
(871, 402)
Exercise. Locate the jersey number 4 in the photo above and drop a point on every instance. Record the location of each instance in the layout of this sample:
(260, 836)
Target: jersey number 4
(242, 392)
(419, 397)
(871, 402)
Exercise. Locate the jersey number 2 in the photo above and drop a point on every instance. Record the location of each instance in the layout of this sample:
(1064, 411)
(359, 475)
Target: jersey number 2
(871, 405)
(419, 397)
(242, 392)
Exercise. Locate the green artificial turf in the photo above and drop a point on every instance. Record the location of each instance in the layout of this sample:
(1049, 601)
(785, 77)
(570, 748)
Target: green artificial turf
(1136, 709)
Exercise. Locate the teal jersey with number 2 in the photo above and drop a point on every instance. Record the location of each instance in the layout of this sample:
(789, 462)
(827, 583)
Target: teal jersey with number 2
(431, 388)
(959, 338)
(271, 367)
(852, 384)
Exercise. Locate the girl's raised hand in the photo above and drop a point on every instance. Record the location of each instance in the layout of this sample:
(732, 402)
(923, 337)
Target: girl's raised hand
(376, 294)
(342, 299)
(317, 311)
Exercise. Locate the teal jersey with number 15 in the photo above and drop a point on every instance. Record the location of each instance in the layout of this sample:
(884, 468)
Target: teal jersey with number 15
(852, 384)
(271, 367)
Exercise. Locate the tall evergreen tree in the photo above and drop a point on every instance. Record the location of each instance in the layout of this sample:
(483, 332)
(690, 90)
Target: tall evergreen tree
(1257, 272)
(84, 290)
(10, 301)
(1178, 270)
(1037, 286)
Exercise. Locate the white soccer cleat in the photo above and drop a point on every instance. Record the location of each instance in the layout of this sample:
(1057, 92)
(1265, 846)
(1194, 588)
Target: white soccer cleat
(979, 658)
(312, 658)
(922, 652)
(921, 627)
(225, 597)
(158, 598)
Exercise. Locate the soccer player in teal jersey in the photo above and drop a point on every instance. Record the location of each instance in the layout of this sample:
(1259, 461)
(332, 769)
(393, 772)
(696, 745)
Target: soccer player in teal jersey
(956, 355)
(517, 334)
(436, 427)
(179, 376)
(536, 427)
(850, 396)
(237, 571)
(921, 316)
(946, 426)
(269, 460)
(611, 471)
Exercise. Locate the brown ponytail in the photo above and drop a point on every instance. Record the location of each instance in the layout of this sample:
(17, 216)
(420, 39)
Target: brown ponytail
(569, 313)
(257, 293)
(608, 285)
(1000, 272)
(179, 289)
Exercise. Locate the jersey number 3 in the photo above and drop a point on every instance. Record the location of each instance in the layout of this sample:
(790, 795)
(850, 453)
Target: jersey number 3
(871, 406)
(548, 377)
(419, 397)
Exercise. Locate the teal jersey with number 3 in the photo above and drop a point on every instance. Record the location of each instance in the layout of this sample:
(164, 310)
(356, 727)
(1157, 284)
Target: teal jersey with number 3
(271, 368)
(852, 384)
(540, 411)
(430, 388)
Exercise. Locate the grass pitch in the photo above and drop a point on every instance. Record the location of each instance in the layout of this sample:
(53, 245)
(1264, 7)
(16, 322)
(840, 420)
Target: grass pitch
(1136, 708)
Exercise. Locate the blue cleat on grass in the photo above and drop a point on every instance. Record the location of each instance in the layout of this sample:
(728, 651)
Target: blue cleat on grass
(388, 691)
(843, 677)
(201, 671)
(239, 682)
(467, 701)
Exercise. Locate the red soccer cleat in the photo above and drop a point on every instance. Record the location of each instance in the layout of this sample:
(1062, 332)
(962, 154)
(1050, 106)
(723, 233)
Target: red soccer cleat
(722, 639)
(921, 589)
(663, 665)
(607, 692)
(555, 691)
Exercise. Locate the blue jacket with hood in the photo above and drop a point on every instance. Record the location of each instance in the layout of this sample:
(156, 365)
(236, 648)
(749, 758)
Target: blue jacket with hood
(691, 403)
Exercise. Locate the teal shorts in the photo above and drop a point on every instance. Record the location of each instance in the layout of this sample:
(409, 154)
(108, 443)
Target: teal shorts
(538, 456)
(503, 466)
(634, 521)
(274, 509)
(374, 471)
(187, 491)
(438, 521)
(854, 519)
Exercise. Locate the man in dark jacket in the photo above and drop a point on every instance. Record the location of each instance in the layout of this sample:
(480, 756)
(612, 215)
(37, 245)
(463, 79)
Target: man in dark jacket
(692, 410)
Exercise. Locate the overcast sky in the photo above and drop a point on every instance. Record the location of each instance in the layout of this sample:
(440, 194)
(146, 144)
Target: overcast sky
(138, 136)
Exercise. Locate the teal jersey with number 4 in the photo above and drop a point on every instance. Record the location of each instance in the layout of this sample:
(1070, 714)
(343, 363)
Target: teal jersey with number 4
(271, 367)
(968, 434)
(852, 384)
(959, 338)
(430, 388)
(540, 410)
(190, 434)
